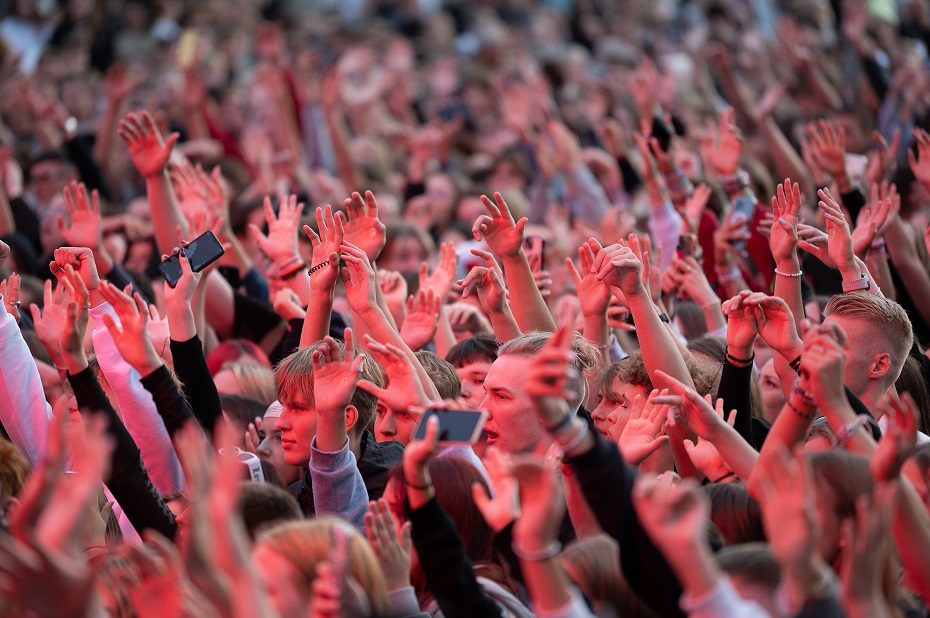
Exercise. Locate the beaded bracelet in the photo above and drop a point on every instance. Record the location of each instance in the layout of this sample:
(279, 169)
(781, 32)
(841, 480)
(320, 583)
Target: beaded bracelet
(789, 275)
(548, 552)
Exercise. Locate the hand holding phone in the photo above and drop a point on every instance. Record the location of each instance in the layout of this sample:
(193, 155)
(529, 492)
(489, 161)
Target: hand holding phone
(200, 252)
(455, 426)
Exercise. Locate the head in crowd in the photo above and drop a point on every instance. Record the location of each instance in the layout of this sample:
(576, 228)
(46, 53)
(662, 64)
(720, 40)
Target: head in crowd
(294, 383)
(264, 505)
(287, 557)
(249, 380)
(472, 357)
(511, 425)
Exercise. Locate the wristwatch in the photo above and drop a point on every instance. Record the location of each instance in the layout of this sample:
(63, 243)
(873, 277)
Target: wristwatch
(862, 283)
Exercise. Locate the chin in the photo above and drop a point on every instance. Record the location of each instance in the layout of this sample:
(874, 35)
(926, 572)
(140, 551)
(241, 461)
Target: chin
(297, 459)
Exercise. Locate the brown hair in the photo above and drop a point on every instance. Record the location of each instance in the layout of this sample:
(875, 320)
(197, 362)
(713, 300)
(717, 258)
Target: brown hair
(632, 370)
(735, 513)
(887, 319)
(257, 382)
(471, 350)
(14, 469)
(305, 544)
(294, 374)
(442, 374)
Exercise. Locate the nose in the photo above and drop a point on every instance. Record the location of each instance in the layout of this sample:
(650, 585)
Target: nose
(283, 423)
(387, 425)
(263, 450)
(484, 405)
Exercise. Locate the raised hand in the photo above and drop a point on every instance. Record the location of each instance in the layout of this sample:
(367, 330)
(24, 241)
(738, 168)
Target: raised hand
(464, 317)
(335, 373)
(421, 320)
(394, 290)
(9, 290)
(882, 160)
(71, 336)
(617, 266)
(839, 245)
(83, 228)
(695, 204)
(786, 208)
(359, 279)
(691, 410)
(193, 196)
(784, 488)
(875, 217)
(502, 506)
(131, 333)
(488, 282)
(920, 164)
(899, 440)
(404, 391)
(82, 260)
(364, 229)
(741, 326)
(326, 246)
(704, 454)
(391, 543)
(691, 281)
(442, 277)
(286, 304)
(498, 229)
(868, 544)
(776, 324)
(50, 320)
(816, 242)
(722, 151)
(592, 292)
(823, 366)
(417, 456)
(675, 516)
(149, 151)
(180, 295)
(280, 245)
(159, 584)
(643, 432)
(828, 148)
(542, 503)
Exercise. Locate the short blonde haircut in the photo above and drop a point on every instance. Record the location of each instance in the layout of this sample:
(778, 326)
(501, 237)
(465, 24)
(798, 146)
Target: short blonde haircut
(887, 321)
(294, 375)
(306, 543)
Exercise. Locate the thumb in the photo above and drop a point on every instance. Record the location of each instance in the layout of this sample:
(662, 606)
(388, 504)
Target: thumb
(109, 323)
(521, 224)
(690, 448)
(807, 247)
(171, 140)
(371, 388)
(481, 497)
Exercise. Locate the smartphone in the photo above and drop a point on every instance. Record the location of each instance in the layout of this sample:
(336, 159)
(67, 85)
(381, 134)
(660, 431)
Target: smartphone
(686, 244)
(200, 252)
(744, 208)
(455, 426)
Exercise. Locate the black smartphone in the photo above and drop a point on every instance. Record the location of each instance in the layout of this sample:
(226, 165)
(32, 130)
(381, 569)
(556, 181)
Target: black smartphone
(171, 270)
(743, 209)
(200, 252)
(455, 426)
(203, 251)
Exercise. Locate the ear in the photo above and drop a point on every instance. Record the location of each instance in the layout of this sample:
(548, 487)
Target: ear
(351, 417)
(881, 365)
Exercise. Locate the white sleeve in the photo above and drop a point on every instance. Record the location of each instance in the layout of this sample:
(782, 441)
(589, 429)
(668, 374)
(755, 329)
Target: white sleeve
(721, 601)
(24, 412)
(137, 408)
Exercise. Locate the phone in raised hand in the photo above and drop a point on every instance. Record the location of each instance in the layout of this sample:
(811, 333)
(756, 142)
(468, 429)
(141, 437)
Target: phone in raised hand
(455, 426)
(200, 253)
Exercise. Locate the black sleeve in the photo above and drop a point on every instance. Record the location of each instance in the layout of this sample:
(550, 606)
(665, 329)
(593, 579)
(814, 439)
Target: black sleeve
(128, 481)
(503, 544)
(449, 574)
(171, 405)
(607, 484)
(735, 391)
(252, 319)
(853, 200)
(190, 365)
(79, 151)
(291, 339)
(876, 75)
(27, 222)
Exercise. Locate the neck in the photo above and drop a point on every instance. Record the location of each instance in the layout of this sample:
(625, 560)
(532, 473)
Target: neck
(355, 444)
(874, 397)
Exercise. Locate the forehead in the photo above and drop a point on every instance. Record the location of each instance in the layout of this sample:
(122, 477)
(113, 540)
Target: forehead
(856, 330)
(768, 369)
(475, 368)
(508, 372)
(627, 390)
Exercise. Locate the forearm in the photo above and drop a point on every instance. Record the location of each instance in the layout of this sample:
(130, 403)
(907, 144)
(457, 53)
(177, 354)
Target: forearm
(787, 161)
(219, 304)
(445, 337)
(103, 144)
(166, 215)
(877, 263)
(504, 325)
(374, 318)
(7, 222)
(597, 332)
(660, 352)
(694, 565)
(911, 529)
(736, 452)
(190, 366)
(531, 313)
(338, 487)
(317, 318)
(344, 162)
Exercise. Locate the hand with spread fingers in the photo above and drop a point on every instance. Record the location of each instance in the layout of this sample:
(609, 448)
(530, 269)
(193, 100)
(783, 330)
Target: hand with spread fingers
(498, 229)
(326, 247)
(363, 228)
(149, 150)
(644, 431)
(421, 320)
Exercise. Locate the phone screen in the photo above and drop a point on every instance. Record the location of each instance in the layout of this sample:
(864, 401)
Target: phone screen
(455, 426)
(203, 251)
(171, 269)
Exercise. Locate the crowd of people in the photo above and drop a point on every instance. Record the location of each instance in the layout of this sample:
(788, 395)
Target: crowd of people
(675, 252)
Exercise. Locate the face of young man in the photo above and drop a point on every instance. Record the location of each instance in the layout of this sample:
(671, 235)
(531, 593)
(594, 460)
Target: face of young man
(611, 409)
(472, 377)
(297, 425)
(862, 347)
(271, 451)
(396, 425)
(512, 424)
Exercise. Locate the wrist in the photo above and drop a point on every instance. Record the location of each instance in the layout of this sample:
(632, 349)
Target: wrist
(740, 352)
(149, 364)
(843, 182)
(75, 362)
(789, 264)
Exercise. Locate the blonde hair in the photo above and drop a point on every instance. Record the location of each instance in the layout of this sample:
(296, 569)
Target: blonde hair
(294, 375)
(885, 318)
(306, 543)
(255, 381)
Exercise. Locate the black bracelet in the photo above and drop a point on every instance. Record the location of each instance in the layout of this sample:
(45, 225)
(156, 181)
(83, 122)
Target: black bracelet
(807, 416)
(743, 361)
(293, 273)
(796, 364)
(318, 267)
(664, 318)
(725, 476)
